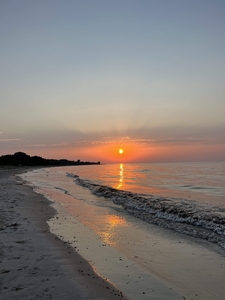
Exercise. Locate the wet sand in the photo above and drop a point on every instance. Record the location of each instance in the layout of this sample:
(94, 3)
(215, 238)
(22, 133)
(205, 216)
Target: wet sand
(34, 263)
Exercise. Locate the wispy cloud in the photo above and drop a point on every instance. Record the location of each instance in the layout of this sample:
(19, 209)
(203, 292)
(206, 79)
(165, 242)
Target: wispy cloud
(10, 140)
(177, 140)
(99, 142)
(144, 135)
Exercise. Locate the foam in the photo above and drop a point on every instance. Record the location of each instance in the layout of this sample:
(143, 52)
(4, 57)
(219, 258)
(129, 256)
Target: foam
(185, 216)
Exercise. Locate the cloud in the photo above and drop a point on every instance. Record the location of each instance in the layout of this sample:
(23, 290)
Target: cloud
(10, 140)
(176, 140)
(168, 141)
(143, 135)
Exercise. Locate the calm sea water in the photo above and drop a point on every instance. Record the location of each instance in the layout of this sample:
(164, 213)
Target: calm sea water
(186, 197)
(204, 182)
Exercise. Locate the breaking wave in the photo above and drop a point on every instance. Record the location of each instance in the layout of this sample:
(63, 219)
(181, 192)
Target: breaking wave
(184, 216)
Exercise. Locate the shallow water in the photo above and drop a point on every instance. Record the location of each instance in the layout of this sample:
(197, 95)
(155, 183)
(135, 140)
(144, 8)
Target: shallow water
(186, 197)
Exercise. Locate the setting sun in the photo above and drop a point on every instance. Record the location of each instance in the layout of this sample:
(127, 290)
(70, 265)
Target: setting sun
(121, 151)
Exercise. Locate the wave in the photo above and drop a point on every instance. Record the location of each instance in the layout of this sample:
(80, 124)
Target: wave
(184, 216)
(219, 191)
(196, 187)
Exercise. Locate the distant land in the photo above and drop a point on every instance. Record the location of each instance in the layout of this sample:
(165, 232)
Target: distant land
(23, 159)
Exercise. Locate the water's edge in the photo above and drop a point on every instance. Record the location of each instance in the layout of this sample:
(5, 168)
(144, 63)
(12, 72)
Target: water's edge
(184, 216)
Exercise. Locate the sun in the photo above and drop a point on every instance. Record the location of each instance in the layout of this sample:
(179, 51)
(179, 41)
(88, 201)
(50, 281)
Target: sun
(120, 151)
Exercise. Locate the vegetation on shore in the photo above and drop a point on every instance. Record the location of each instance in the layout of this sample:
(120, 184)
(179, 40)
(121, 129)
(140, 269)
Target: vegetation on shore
(23, 159)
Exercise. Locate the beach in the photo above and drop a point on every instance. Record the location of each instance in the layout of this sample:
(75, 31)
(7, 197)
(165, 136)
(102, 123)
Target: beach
(35, 264)
(72, 249)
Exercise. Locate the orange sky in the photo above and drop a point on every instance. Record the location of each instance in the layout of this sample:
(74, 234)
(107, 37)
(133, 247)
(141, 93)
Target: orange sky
(158, 153)
(133, 152)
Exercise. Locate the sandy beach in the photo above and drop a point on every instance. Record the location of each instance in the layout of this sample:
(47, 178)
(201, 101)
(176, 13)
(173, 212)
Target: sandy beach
(35, 264)
(74, 250)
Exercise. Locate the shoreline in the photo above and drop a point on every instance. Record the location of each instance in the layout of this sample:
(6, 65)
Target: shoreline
(142, 260)
(34, 263)
(62, 260)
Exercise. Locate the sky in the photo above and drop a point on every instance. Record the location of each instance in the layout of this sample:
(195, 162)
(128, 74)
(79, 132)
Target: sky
(80, 79)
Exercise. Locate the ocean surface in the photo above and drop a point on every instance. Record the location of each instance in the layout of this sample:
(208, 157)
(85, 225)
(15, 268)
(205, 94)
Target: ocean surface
(186, 197)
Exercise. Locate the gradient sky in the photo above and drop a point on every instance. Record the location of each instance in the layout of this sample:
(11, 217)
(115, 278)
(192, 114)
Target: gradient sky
(81, 78)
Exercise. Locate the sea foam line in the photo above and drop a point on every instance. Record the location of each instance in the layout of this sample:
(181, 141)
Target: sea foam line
(185, 216)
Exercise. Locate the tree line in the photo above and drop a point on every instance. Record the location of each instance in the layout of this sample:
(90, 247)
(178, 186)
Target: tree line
(23, 159)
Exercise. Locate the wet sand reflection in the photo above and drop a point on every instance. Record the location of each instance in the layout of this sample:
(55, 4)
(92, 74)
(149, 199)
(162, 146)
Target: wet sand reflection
(110, 231)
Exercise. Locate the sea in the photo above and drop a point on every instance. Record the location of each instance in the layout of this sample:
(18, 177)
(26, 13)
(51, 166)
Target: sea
(155, 231)
(188, 198)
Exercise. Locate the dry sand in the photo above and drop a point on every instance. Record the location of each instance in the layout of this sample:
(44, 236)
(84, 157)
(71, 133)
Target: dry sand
(35, 264)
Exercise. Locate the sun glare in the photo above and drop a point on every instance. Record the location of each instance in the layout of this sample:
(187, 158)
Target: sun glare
(121, 153)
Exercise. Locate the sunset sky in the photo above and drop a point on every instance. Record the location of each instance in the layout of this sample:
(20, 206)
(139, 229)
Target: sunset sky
(80, 79)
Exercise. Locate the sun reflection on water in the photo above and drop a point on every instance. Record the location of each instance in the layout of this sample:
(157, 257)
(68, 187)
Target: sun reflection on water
(121, 177)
